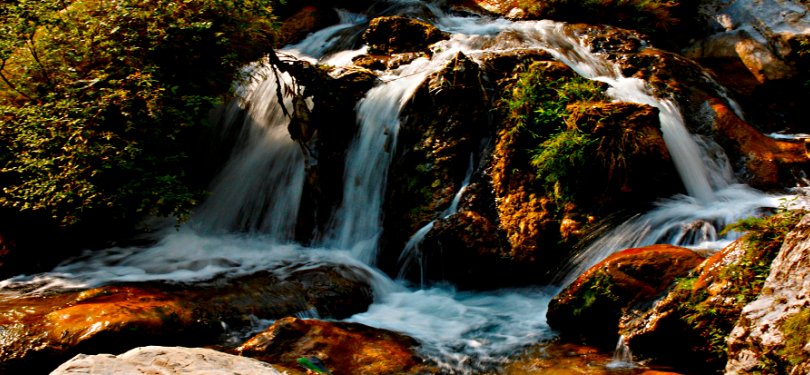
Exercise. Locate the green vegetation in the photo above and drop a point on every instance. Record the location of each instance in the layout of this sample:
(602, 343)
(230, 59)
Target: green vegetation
(712, 315)
(796, 330)
(559, 150)
(101, 102)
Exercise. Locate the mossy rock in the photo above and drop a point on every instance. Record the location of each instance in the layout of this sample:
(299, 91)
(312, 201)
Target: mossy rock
(590, 308)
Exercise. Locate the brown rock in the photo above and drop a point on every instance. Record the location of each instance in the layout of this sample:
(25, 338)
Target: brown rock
(592, 306)
(345, 348)
(396, 34)
(772, 333)
(41, 331)
(306, 20)
(770, 163)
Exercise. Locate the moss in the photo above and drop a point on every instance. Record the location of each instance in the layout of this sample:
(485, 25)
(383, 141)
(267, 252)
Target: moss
(710, 312)
(796, 330)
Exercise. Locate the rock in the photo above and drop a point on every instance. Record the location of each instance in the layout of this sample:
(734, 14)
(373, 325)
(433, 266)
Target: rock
(344, 348)
(41, 331)
(396, 34)
(165, 360)
(306, 20)
(442, 129)
(687, 328)
(772, 333)
(767, 163)
(465, 250)
(565, 358)
(632, 163)
(756, 33)
(591, 307)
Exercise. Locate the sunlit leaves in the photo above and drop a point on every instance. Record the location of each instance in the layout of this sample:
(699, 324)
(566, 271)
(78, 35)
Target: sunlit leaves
(100, 101)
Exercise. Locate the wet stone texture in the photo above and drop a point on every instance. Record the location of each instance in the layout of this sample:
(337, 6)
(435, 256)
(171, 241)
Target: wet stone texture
(42, 331)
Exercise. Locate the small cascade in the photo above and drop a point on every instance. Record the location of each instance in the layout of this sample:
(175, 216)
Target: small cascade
(267, 164)
(357, 223)
(622, 356)
(411, 253)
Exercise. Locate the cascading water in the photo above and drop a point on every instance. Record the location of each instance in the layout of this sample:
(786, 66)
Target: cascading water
(260, 189)
(357, 225)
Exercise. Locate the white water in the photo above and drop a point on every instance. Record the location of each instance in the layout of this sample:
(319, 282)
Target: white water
(260, 189)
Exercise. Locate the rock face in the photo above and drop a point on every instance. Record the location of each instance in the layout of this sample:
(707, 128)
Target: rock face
(759, 49)
(442, 129)
(773, 332)
(396, 34)
(39, 332)
(165, 360)
(591, 307)
(344, 348)
(687, 328)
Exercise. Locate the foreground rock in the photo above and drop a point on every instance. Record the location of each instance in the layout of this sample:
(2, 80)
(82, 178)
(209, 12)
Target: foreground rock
(688, 327)
(165, 360)
(344, 348)
(773, 332)
(591, 307)
(41, 331)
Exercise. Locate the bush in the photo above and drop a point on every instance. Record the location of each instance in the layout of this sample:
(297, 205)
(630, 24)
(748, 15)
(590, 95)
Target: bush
(101, 102)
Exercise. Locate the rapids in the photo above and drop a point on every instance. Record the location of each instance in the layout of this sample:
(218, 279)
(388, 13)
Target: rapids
(247, 224)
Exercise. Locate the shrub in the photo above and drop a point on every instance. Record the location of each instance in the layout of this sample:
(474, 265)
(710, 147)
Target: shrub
(101, 101)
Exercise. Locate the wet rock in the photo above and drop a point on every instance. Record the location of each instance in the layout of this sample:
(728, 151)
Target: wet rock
(772, 333)
(590, 308)
(632, 163)
(165, 360)
(396, 34)
(41, 331)
(441, 131)
(465, 250)
(688, 327)
(565, 358)
(344, 348)
(306, 20)
(767, 163)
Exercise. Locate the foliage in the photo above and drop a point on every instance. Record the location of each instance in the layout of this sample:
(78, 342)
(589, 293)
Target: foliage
(796, 330)
(559, 162)
(100, 101)
(539, 106)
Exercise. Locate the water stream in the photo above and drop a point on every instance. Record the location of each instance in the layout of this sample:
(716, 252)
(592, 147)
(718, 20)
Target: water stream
(247, 224)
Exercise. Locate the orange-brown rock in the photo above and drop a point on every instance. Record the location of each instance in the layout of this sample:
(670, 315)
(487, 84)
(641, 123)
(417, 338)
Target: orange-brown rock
(41, 331)
(306, 20)
(345, 348)
(566, 358)
(592, 305)
(397, 34)
(769, 162)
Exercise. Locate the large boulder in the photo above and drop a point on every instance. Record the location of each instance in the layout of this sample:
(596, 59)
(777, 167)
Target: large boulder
(688, 327)
(442, 129)
(343, 348)
(41, 331)
(397, 34)
(592, 306)
(166, 360)
(773, 332)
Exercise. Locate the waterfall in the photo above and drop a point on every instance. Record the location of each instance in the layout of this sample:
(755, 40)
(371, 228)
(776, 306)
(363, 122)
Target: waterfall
(260, 187)
(357, 223)
(259, 191)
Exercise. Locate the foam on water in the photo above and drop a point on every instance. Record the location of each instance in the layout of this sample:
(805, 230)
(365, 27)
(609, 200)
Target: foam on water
(259, 192)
